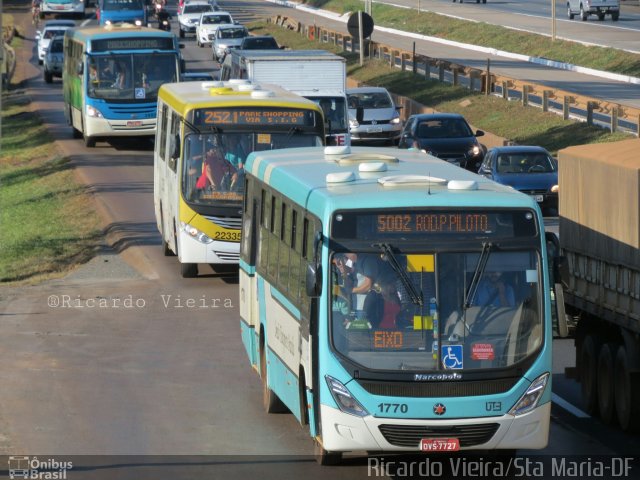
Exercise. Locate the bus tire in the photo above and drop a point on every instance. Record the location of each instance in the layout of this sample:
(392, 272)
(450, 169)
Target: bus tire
(189, 270)
(166, 250)
(589, 374)
(606, 402)
(324, 457)
(48, 77)
(89, 142)
(626, 392)
(270, 401)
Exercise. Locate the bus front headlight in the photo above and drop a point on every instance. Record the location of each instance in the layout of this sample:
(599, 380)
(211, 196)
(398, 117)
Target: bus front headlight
(346, 402)
(531, 397)
(93, 112)
(107, 22)
(193, 232)
(138, 23)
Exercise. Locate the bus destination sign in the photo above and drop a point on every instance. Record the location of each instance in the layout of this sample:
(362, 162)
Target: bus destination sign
(135, 43)
(445, 222)
(253, 116)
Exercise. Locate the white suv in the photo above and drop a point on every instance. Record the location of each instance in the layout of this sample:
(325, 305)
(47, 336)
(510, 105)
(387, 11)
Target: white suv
(50, 30)
(208, 25)
(189, 17)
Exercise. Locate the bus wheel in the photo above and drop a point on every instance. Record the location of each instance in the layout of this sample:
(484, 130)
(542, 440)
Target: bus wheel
(189, 270)
(270, 401)
(626, 392)
(588, 374)
(326, 458)
(605, 389)
(166, 250)
(89, 142)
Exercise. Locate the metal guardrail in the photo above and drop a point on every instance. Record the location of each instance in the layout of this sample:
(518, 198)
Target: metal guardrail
(611, 115)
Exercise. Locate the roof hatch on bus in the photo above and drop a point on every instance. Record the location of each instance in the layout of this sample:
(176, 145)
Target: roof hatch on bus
(410, 180)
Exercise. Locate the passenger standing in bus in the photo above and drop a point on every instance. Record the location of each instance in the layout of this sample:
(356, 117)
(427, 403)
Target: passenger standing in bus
(236, 155)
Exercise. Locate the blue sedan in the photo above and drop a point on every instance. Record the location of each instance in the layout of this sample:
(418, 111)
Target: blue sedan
(531, 170)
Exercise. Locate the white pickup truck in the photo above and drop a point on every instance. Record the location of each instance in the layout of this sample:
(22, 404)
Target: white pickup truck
(584, 8)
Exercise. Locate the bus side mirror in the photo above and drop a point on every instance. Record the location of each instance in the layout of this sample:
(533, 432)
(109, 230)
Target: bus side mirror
(314, 281)
(360, 114)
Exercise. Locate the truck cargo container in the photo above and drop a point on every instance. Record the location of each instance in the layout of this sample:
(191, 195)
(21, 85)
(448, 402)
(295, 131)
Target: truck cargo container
(599, 230)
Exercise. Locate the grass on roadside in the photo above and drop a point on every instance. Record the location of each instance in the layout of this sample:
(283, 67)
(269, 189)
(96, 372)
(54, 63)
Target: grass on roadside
(47, 223)
(524, 125)
(432, 24)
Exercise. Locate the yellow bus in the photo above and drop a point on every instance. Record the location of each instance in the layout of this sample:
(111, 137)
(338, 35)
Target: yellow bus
(205, 132)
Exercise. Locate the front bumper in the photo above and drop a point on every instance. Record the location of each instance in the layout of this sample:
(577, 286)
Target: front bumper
(191, 250)
(101, 127)
(380, 132)
(343, 432)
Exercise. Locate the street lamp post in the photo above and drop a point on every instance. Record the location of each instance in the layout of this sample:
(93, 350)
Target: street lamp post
(553, 20)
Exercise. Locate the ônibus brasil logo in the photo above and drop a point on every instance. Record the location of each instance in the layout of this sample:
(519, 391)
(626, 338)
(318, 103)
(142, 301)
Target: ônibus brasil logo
(38, 469)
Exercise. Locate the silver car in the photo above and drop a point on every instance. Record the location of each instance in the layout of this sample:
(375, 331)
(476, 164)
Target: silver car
(50, 30)
(226, 38)
(53, 59)
(373, 117)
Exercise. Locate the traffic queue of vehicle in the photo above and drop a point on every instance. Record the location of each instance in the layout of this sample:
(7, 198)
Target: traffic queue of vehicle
(202, 145)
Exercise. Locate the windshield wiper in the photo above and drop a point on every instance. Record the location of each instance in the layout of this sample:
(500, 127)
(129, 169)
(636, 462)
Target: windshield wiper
(416, 297)
(477, 275)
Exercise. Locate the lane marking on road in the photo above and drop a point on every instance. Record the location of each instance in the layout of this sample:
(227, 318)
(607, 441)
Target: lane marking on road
(562, 403)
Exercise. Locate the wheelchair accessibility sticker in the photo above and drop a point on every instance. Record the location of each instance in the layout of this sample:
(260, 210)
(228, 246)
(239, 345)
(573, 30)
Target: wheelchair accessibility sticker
(140, 93)
(452, 357)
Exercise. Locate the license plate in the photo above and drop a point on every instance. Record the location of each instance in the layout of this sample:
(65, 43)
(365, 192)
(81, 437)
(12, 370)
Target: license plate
(374, 129)
(539, 198)
(439, 445)
(134, 123)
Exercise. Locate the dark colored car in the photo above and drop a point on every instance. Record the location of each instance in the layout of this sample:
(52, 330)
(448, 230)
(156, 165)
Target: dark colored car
(528, 169)
(262, 42)
(445, 135)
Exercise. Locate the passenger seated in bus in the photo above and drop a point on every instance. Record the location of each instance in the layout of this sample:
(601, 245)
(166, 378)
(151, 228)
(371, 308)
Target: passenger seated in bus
(493, 290)
(390, 307)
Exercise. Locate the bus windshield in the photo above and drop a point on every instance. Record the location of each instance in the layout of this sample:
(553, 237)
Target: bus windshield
(213, 166)
(130, 77)
(435, 312)
(334, 110)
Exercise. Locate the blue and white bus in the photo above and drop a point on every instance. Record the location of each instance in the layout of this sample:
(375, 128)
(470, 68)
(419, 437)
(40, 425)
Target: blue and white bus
(120, 11)
(63, 7)
(394, 302)
(111, 77)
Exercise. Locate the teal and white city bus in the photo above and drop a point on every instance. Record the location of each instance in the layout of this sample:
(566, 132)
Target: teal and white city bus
(442, 343)
(111, 78)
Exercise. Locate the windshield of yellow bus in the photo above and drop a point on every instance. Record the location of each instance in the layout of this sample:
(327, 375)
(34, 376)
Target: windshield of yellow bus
(213, 166)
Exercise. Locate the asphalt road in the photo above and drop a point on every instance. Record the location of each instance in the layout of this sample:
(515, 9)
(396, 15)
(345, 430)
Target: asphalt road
(535, 16)
(114, 361)
(581, 84)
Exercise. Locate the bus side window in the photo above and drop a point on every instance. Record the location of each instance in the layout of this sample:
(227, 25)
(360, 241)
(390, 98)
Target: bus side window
(161, 141)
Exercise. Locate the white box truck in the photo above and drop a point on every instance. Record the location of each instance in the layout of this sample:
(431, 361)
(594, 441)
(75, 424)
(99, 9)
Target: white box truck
(314, 74)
